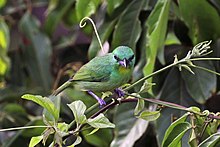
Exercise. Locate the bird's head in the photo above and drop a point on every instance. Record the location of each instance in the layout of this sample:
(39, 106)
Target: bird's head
(124, 56)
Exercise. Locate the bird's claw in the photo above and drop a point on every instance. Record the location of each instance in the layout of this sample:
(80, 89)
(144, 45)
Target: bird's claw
(119, 92)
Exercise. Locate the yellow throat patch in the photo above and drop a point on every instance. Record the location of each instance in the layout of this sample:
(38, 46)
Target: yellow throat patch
(123, 70)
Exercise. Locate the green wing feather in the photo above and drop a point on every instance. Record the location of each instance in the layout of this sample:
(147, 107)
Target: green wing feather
(97, 70)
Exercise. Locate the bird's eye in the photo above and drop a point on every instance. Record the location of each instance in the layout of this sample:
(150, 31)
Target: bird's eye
(116, 58)
(131, 58)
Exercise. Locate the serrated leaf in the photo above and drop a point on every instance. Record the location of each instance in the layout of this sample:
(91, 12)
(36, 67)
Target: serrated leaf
(211, 141)
(149, 115)
(171, 128)
(139, 107)
(78, 108)
(35, 140)
(100, 121)
(45, 103)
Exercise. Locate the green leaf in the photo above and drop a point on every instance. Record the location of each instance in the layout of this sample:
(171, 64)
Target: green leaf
(38, 52)
(194, 109)
(146, 87)
(44, 102)
(128, 128)
(4, 43)
(211, 141)
(112, 5)
(174, 91)
(93, 131)
(202, 26)
(82, 11)
(121, 34)
(100, 121)
(204, 83)
(54, 17)
(172, 128)
(77, 141)
(78, 108)
(139, 107)
(56, 101)
(101, 138)
(52, 5)
(176, 134)
(193, 139)
(157, 27)
(46, 134)
(2, 3)
(35, 140)
(149, 115)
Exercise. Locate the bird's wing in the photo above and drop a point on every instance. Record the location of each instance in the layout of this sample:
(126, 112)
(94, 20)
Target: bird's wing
(97, 70)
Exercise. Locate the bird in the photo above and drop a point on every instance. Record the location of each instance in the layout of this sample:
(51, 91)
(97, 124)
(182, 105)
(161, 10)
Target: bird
(104, 73)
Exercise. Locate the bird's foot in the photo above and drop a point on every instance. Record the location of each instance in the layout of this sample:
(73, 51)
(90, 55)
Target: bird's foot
(119, 92)
(101, 102)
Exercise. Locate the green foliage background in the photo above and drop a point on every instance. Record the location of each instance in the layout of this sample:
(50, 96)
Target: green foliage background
(41, 46)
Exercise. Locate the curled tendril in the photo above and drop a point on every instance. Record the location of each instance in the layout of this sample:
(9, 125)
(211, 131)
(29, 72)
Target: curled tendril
(83, 24)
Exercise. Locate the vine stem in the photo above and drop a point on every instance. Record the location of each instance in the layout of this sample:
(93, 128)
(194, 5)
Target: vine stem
(169, 66)
(83, 24)
(20, 128)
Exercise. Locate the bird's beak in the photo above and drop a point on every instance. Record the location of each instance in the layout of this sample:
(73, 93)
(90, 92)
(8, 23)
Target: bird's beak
(123, 63)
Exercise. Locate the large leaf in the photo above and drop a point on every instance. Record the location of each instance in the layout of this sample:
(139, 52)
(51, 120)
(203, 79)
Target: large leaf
(212, 141)
(173, 90)
(201, 85)
(202, 26)
(45, 103)
(54, 17)
(38, 51)
(128, 129)
(157, 27)
(176, 134)
(172, 128)
(4, 43)
(128, 33)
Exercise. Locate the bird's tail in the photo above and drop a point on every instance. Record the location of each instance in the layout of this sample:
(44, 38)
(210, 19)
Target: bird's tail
(63, 87)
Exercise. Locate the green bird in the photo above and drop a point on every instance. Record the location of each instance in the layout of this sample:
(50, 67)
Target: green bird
(104, 73)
